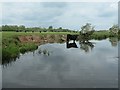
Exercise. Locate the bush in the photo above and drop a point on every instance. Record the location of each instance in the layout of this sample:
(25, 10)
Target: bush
(28, 47)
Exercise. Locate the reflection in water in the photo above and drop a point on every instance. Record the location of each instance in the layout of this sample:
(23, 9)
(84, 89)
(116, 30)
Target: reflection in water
(83, 45)
(86, 46)
(71, 45)
(64, 68)
(114, 41)
(7, 62)
(44, 52)
(84, 42)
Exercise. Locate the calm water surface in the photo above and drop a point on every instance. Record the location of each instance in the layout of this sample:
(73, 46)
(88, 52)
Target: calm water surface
(53, 65)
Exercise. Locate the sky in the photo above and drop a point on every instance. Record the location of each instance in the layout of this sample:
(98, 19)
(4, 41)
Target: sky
(70, 15)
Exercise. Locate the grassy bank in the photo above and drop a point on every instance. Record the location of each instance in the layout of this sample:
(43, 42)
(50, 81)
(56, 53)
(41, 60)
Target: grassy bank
(100, 35)
(12, 47)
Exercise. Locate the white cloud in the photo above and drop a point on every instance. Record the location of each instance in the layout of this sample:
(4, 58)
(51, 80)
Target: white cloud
(78, 14)
(68, 15)
(59, 1)
(0, 13)
(114, 5)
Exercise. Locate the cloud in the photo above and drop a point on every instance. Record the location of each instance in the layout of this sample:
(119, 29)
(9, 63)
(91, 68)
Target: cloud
(54, 4)
(71, 15)
(59, 0)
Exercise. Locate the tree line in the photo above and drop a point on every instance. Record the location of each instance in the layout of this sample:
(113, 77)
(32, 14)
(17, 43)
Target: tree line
(22, 28)
(86, 29)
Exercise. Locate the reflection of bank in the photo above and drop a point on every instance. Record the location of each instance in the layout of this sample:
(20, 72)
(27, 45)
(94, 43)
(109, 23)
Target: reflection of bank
(86, 46)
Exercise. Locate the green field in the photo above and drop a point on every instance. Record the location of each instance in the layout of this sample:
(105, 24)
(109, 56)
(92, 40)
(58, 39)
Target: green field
(96, 35)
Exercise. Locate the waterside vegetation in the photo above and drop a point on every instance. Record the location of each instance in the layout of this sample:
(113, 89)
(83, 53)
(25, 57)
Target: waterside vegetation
(16, 42)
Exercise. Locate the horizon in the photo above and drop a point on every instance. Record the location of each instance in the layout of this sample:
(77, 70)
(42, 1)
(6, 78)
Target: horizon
(53, 27)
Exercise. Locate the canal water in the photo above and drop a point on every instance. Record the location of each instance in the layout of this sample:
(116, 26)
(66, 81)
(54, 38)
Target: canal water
(65, 65)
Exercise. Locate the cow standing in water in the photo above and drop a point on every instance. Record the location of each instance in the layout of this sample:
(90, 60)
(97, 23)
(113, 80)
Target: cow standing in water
(71, 37)
(71, 45)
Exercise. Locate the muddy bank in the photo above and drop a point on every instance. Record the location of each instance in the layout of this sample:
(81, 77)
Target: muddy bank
(13, 46)
(40, 39)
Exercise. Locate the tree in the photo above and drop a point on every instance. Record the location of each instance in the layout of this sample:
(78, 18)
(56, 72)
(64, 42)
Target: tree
(60, 27)
(86, 28)
(114, 30)
(0, 28)
(50, 27)
(86, 31)
(5, 28)
(15, 27)
(21, 27)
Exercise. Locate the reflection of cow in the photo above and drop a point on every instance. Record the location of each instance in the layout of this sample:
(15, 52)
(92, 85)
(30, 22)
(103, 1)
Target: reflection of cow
(71, 37)
(71, 45)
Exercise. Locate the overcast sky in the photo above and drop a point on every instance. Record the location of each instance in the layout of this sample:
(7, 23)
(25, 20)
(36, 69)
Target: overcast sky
(61, 14)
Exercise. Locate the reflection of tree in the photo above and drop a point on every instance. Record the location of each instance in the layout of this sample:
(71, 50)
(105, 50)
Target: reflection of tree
(86, 46)
(114, 41)
(44, 52)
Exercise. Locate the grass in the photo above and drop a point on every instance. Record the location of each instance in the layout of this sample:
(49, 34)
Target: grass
(12, 37)
(100, 35)
(12, 47)
(12, 51)
(27, 47)
(12, 34)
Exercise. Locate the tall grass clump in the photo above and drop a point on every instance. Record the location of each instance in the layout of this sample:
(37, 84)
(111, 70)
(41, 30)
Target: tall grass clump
(27, 47)
(98, 35)
(9, 52)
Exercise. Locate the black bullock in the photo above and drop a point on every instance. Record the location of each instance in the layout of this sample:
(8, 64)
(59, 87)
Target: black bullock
(71, 37)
